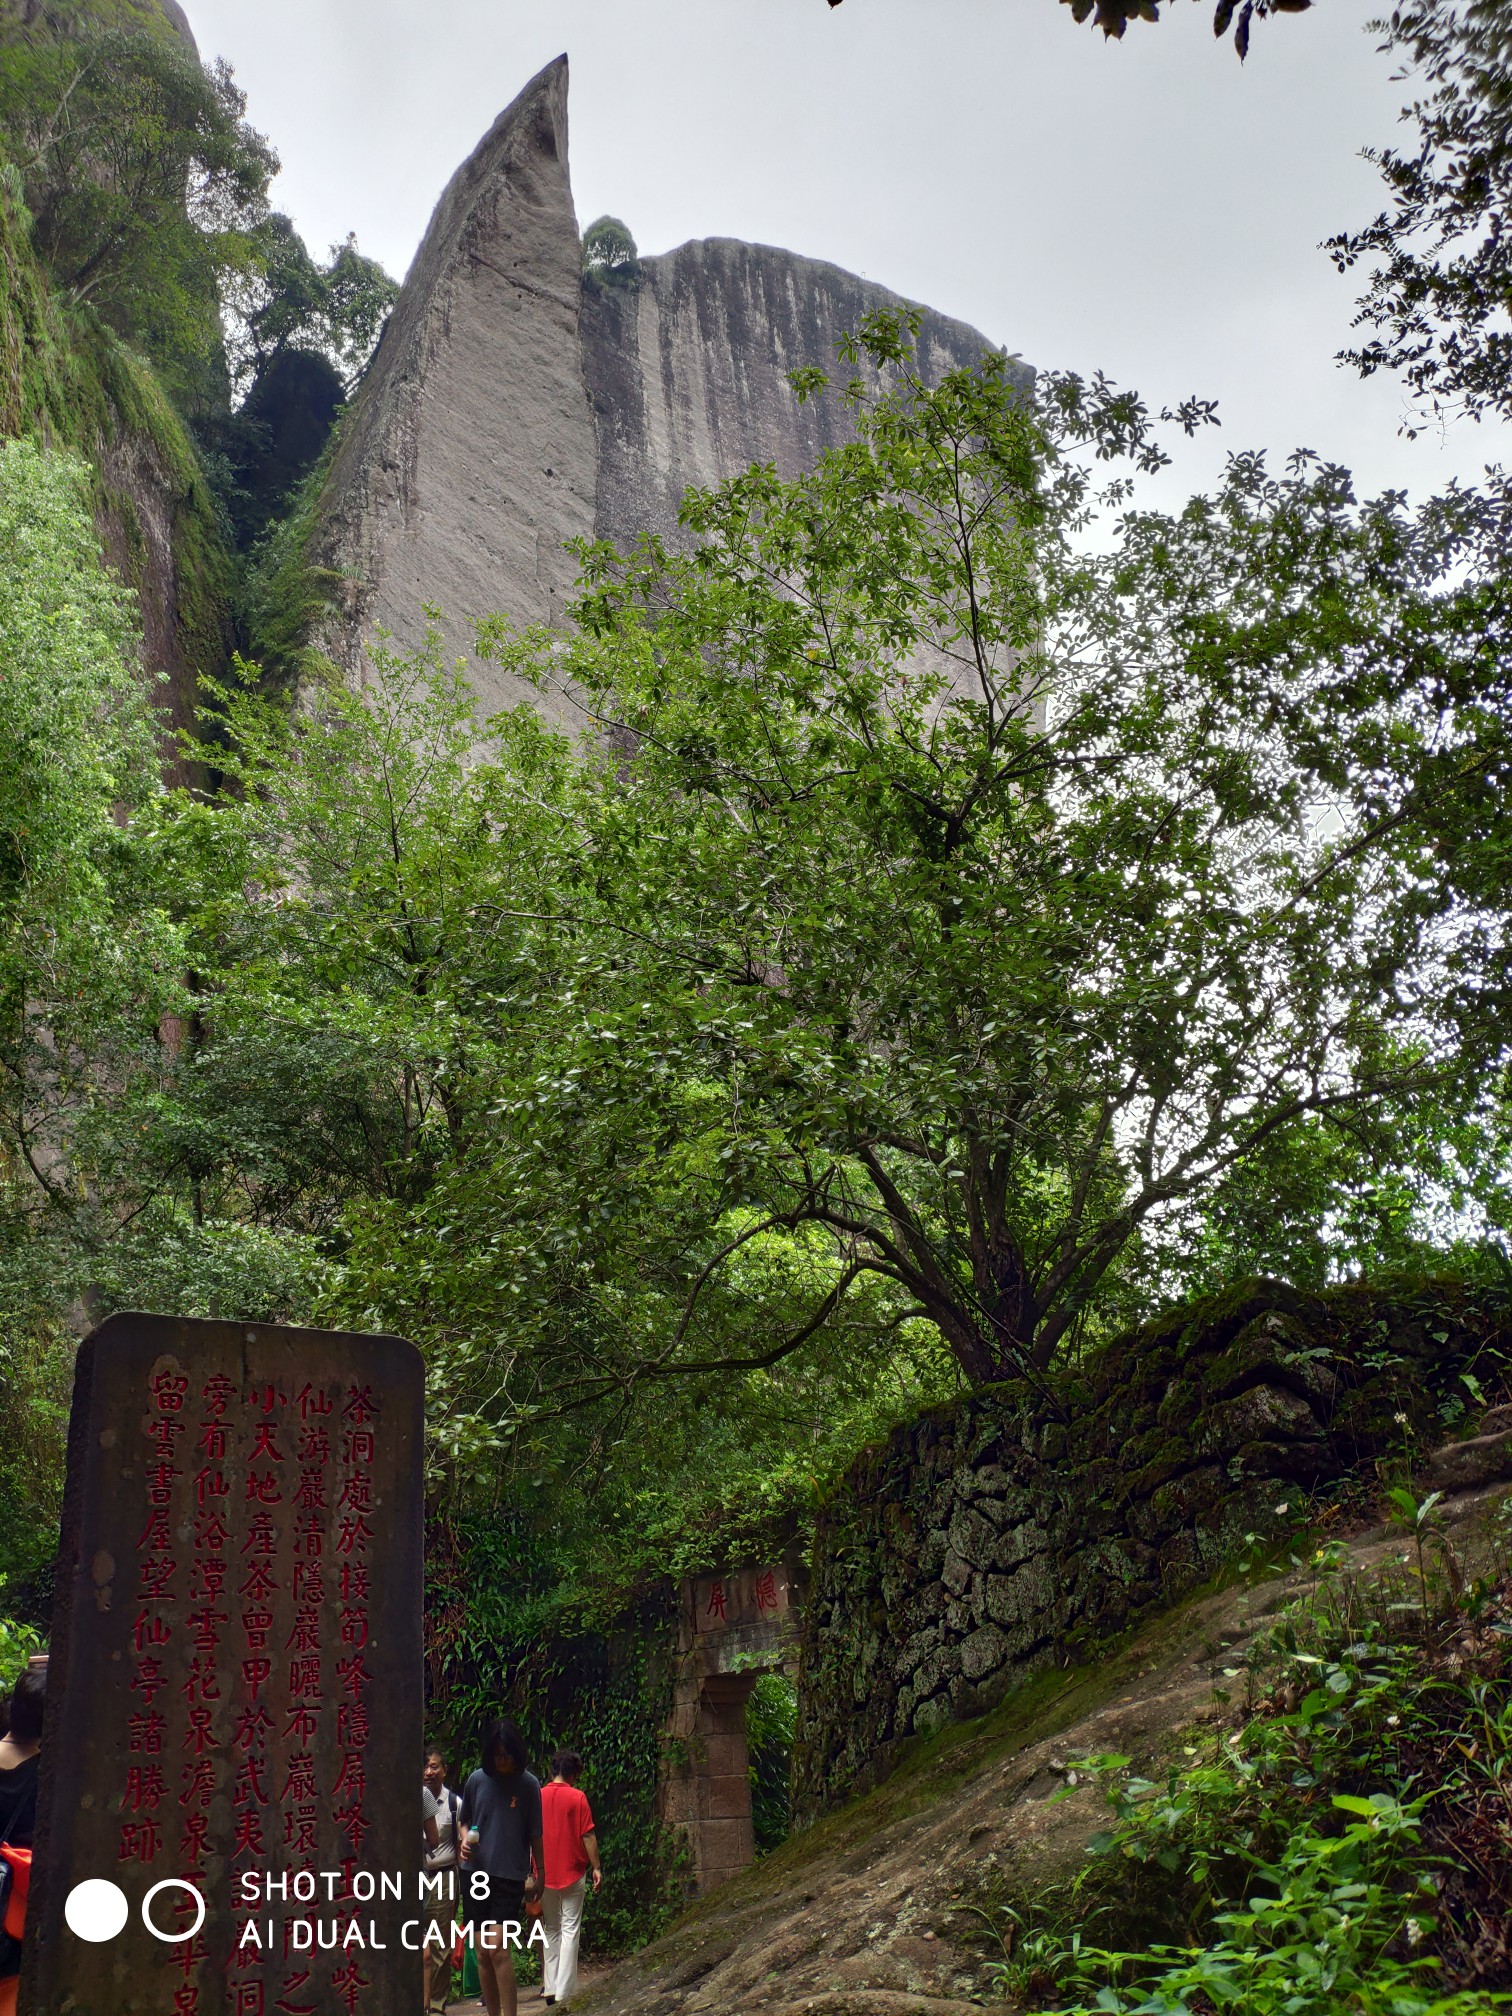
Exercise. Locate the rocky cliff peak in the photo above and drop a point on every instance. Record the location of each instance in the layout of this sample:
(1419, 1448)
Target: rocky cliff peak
(514, 405)
(469, 458)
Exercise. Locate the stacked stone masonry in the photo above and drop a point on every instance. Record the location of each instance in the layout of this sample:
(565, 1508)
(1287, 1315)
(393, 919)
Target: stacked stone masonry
(1009, 1533)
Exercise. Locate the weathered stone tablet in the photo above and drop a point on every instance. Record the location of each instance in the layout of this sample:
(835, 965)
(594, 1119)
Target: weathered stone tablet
(234, 1694)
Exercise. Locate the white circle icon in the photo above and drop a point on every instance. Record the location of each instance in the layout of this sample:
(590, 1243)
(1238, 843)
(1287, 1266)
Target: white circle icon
(173, 1883)
(95, 1910)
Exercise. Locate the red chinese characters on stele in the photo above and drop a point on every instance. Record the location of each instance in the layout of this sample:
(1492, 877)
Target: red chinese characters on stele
(249, 1661)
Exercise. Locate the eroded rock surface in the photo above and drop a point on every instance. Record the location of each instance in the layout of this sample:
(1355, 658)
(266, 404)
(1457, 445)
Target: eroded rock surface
(512, 406)
(469, 459)
(689, 372)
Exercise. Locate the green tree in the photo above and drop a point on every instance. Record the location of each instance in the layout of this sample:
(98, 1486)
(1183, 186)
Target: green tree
(392, 994)
(285, 300)
(1001, 898)
(609, 253)
(1441, 285)
(87, 955)
(144, 181)
(89, 958)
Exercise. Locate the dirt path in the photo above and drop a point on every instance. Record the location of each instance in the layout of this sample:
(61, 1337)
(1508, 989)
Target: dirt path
(861, 1914)
(532, 2001)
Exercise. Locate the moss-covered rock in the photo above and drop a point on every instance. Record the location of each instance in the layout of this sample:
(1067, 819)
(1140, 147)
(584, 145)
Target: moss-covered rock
(69, 381)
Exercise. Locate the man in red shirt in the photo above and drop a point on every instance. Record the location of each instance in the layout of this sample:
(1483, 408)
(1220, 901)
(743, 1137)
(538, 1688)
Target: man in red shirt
(571, 1847)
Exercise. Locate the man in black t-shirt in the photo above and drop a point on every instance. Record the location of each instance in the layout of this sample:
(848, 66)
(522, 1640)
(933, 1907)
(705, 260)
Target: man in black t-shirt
(501, 1840)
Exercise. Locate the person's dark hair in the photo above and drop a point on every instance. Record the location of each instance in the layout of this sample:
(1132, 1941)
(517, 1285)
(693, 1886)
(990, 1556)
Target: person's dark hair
(26, 1706)
(434, 1750)
(501, 1734)
(567, 1764)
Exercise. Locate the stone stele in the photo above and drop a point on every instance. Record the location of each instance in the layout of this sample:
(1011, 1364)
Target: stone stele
(235, 1683)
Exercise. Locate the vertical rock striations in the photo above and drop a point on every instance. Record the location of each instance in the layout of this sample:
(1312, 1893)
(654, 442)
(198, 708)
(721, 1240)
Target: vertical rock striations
(689, 371)
(512, 406)
(469, 458)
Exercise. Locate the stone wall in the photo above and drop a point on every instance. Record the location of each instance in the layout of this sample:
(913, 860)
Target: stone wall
(733, 1626)
(996, 1537)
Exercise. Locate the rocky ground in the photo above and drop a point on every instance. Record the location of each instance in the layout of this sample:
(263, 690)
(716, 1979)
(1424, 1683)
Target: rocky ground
(868, 1912)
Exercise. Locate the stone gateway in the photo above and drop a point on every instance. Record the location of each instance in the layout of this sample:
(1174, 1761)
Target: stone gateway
(235, 1689)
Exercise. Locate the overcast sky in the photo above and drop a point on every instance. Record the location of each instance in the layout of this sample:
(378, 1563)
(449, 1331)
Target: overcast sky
(1151, 207)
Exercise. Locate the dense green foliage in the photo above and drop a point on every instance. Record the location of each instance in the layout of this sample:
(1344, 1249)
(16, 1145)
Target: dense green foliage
(771, 1728)
(66, 377)
(951, 959)
(391, 993)
(87, 956)
(1007, 904)
(953, 937)
(1440, 280)
(293, 302)
(509, 1629)
(143, 194)
(143, 180)
(82, 940)
(1337, 1847)
(609, 253)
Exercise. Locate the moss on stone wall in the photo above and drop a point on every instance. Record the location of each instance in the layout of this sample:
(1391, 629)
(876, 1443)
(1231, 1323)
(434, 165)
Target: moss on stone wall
(1007, 1533)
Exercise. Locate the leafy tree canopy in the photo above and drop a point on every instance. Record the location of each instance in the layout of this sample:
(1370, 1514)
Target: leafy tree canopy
(145, 183)
(148, 192)
(609, 253)
(1113, 16)
(1002, 900)
(1440, 288)
(954, 935)
(284, 300)
(88, 955)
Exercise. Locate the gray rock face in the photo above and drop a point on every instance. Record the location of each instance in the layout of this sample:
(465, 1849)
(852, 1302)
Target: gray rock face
(689, 371)
(512, 407)
(178, 21)
(470, 457)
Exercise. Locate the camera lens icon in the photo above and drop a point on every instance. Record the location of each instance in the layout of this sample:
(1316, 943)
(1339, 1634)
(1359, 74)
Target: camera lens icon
(173, 1883)
(97, 1910)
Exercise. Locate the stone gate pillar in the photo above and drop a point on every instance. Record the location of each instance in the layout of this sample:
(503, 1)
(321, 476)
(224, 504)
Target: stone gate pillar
(732, 1629)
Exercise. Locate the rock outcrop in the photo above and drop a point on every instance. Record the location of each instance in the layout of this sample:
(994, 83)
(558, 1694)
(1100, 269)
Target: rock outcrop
(469, 458)
(689, 371)
(513, 406)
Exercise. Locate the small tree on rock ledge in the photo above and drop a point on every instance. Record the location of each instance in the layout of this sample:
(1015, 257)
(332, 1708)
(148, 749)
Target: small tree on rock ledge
(610, 254)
